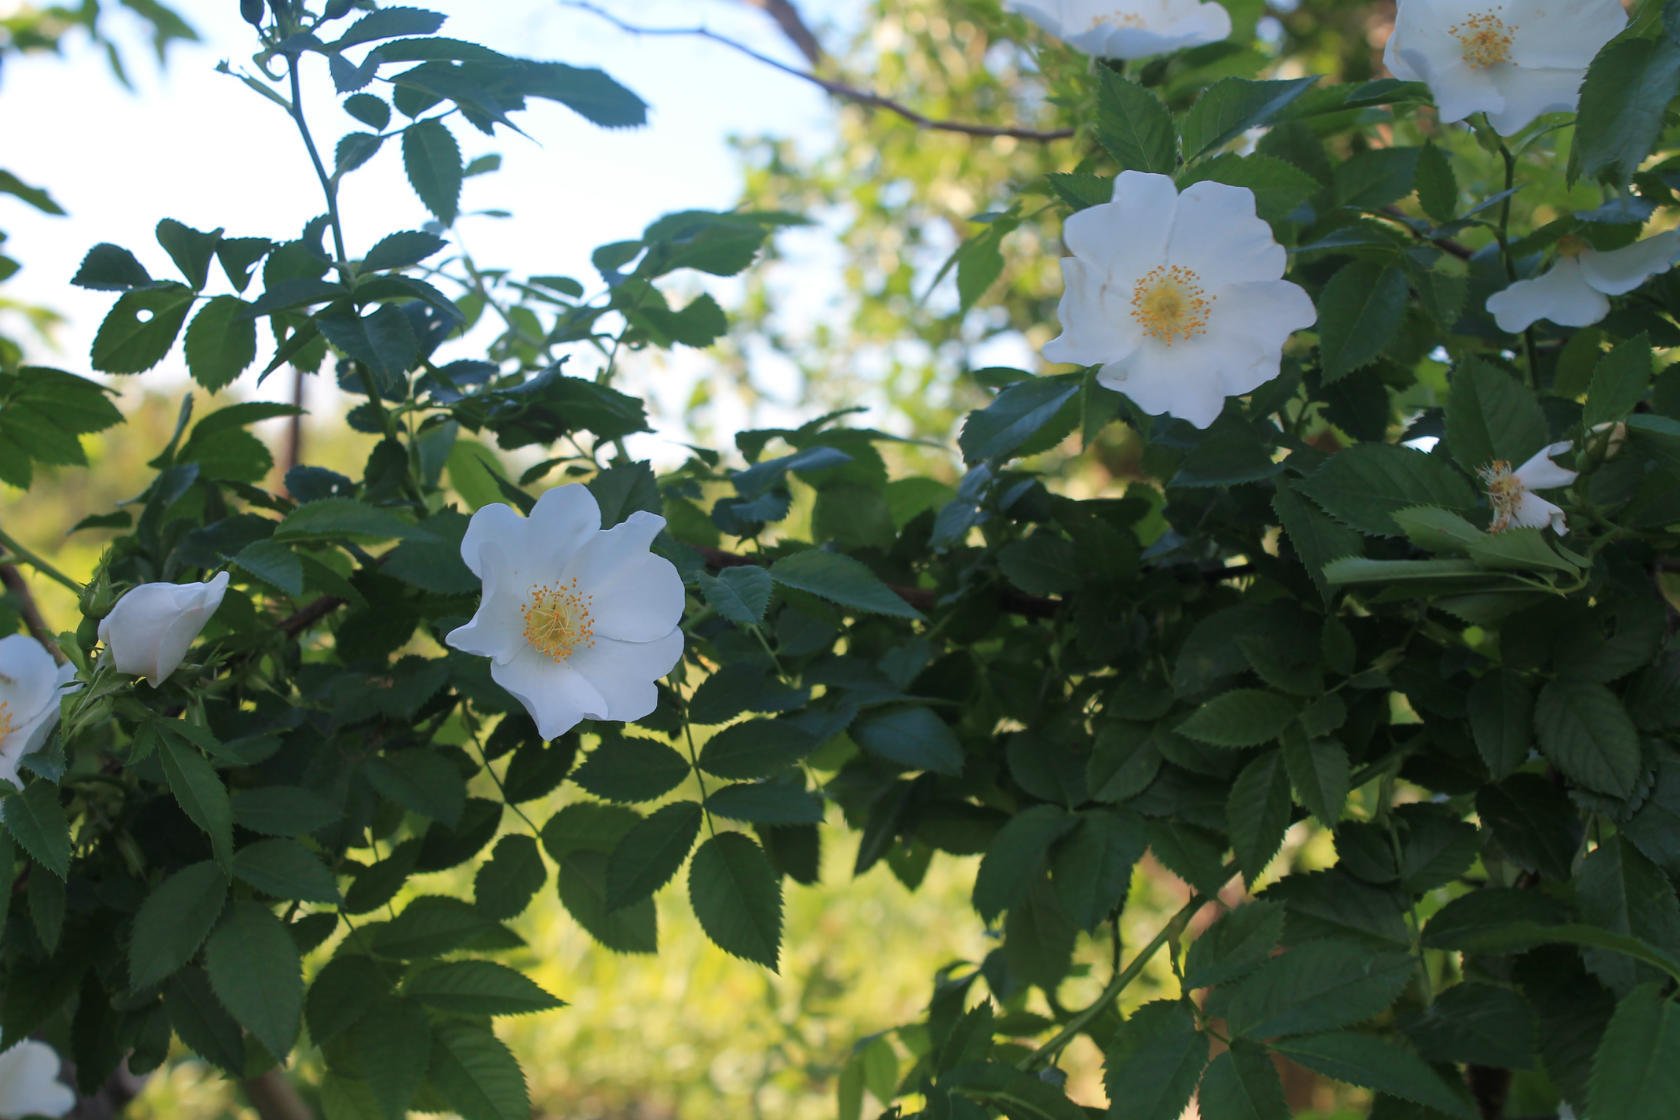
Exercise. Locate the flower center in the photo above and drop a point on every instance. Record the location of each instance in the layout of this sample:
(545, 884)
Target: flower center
(1484, 39)
(8, 722)
(1505, 493)
(557, 619)
(1170, 305)
(1118, 19)
(1572, 246)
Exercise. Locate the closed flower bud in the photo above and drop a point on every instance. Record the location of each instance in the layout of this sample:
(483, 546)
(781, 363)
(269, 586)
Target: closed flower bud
(149, 630)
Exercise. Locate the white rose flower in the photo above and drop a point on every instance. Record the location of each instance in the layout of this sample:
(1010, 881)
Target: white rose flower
(30, 686)
(1511, 492)
(1510, 59)
(147, 633)
(1179, 297)
(29, 1084)
(1128, 28)
(578, 622)
(1572, 292)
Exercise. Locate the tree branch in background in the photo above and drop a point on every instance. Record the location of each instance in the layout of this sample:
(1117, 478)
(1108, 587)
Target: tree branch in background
(856, 96)
(12, 580)
(793, 26)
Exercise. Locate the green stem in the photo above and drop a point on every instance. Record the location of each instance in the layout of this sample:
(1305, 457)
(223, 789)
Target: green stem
(694, 762)
(11, 545)
(472, 733)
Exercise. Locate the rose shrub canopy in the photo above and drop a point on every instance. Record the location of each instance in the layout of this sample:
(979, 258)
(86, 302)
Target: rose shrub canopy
(1291, 659)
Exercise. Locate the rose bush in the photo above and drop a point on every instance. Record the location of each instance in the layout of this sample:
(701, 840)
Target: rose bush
(1278, 613)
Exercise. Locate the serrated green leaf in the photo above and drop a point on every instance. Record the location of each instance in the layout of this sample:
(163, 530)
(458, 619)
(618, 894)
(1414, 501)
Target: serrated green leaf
(1491, 415)
(174, 921)
(737, 897)
(110, 268)
(1134, 126)
(1243, 717)
(285, 869)
(201, 794)
(1362, 486)
(1242, 1084)
(1155, 1060)
(1316, 537)
(1257, 813)
(912, 736)
(1017, 1093)
(840, 580)
(1437, 185)
(510, 878)
(475, 1075)
(1017, 858)
(1501, 709)
(1232, 106)
(331, 519)
(1359, 314)
(255, 972)
(341, 993)
(628, 929)
(1636, 1071)
(1373, 1063)
(37, 822)
(273, 563)
(432, 159)
(421, 781)
(1584, 730)
(192, 250)
(399, 250)
(1235, 945)
(649, 855)
(628, 768)
(1032, 414)
(1316, 986)
(430, 926)
(742, 595)
(474, 988)
(1623, 97)
(140, 329)
(1092, 867)
(1319, 771)
(1619, 381)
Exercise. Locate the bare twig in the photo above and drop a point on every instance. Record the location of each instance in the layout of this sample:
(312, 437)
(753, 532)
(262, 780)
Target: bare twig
(15, 586)
(1446, 244)
(794, 27)
(866, 98)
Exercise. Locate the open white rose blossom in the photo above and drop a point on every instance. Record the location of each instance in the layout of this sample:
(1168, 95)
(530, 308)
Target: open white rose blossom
(29, 1084)
(30, 686)
(578, 621)
(1511, 492)
(1510, 59)
(149, 630)
(1179, 297)
(1128, 28)
(1572, 293)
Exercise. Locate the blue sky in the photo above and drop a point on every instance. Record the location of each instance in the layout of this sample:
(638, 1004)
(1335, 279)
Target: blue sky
(195, 145)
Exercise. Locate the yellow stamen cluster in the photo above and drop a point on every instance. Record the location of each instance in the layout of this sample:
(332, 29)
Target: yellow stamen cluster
(8, 722)
(1170, 305)
(1118, 19)
(1572, 246)
(1485, 39)
(558, 622)
(1505, 493)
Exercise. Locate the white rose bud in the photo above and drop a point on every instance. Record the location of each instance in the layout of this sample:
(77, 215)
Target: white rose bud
(148, 631)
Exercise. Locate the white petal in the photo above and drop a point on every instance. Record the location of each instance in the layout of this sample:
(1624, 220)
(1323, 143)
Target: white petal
(1046, 15)
(1253, 321)
(1127, 235)
(496, 629)
(29, 1084)
(1458, 88)
(1566, 34)
(561, 521)
(153, 625)
(624, 672)
(1217, 235)
(556, 695)
(1560, 294)
(1535, 512)
(494, 522)
(1541, 473)
(1622, 270)
(1180, 380)
(28, 676)
(34, 733)
(1097, 324)
(1528, 93)
(636, 596)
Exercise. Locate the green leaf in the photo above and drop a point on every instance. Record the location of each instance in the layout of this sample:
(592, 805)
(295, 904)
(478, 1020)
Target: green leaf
(421, 781)
(1092, 867)
(1134, 126)
(1619, 381)
(774, 803)
(1257, 812)
(198, 1017)
(840, 580)
(649, 855)
(1364, 485)
(979, 261)
(1319, 771)
(192, 250)
(1032, 414)
(1242, 1084)
(475, 1075)
(273, 563)
(281, 810)
(36, 821)
(1317, 538)
(628, 768)
(755, 748)
(1619, 890)
(1278, 186)
(140, 329)
(1359, 314)
(1232, 106)
(174, 921)
(342, 992)
(1017, 1093)
(474, 988)
(1017, 856)
(34, 196)
(1522, 549)
(110, 268)
(392, 1042)
(1377, 178)
(1155, 1060)
(737, 897)
(399, 250)
(255, 971)
(1437, 185)
(742, 595)
(1372, 1063)
(1234, 946)
(1479, 1024)
(1501, 708)
(1636, 1072)
(368, 109)
(510, 878)
(432, 159)
(1491, 415)
(627, 929)
(1315, 986)
(285, 869)
(389, 23)
(334, 519)
(912, 736)
(201, 794)
(1623, 98)
(590, 93)
(1585, 731)
(1243, 717)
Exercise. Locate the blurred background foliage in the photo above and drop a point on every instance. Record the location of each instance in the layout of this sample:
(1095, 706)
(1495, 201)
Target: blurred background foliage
(880, 319)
